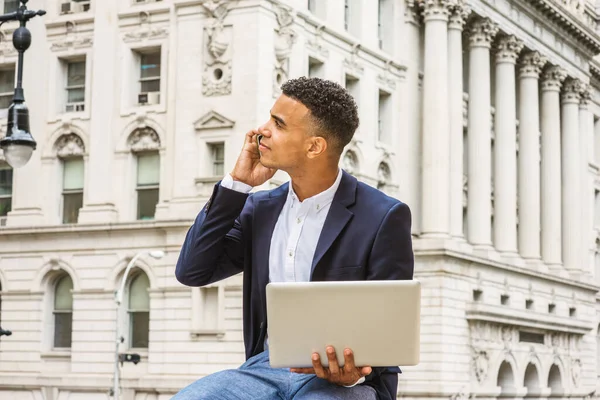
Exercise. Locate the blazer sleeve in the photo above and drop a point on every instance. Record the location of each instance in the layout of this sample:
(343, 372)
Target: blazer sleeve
(214, 245)
(392, 256)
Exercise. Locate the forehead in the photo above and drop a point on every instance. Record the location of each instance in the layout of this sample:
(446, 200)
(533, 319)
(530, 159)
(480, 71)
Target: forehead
(289, 109)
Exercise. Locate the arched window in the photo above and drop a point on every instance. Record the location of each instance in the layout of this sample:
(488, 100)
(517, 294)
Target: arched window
(63, 312)
(139, 311)
(555, 381)
(532, 380)
(506, 379)
(145, 144)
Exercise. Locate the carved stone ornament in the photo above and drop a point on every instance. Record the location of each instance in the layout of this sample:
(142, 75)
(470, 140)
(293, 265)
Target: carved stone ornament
(459, 13)
(352, 62)
(73, 42)
(586, 95)
(69, 145)
(383, 174)
(576, 372)
(385, 77)
(531, 64)
(435, 9)
(350, 162)
(482, 32)
(572, 90)
(508, 49)
(146, 32)
(411, 12)
(553, 78)
(285, 37)
(576, 7)
(213, 120)
(143, 139)
(316, 43)
(481, 363)
(217, 74)
(6, 46)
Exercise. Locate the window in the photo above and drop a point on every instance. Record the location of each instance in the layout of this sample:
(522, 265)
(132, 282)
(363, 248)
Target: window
(353, 87)
(148, 178)
(75, 86)
(316, 68)
(380, 23)
(7, 87)
(6, 179)
(74, 6)
(11, 6)
(346, 14)
(150, 72)
(72, 189)
(63, 312)
(217, 151)
(139, 311)
(383, 128)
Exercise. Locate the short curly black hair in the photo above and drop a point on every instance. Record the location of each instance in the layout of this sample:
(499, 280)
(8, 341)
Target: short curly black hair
(332, 108)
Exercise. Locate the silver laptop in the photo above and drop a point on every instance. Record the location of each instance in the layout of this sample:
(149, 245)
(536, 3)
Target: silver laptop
(378, 320)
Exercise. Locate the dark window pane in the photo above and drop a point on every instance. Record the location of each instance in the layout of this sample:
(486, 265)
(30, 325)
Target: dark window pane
(6, 179)
(5, 206)
(72, 202)
(63, 323)
(140, 326)
(76, 95)
(7, 81)
(76, 74)
(150, 65)
(147, 201)
(5, 101)
(11, 6)
(151, 86)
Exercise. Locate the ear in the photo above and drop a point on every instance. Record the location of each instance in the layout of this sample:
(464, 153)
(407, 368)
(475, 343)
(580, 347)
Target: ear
(317, 146)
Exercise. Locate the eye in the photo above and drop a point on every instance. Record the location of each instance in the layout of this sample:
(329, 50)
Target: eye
(277, 123)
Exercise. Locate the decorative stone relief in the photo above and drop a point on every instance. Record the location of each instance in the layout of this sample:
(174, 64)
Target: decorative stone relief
(352, 62)
(69, 145)
(285, 37)
(576, 372)
(217, 74)
(385, 77)
(383, 174)
(482, 32)
(72, 40)
(350, 162)
(435, 8)
(459, 12)
(213, 120)
(577, 7)
(145, 30)
(572, 90)
(553, 78)
(143, 139)
(480, 363)
(586, 95)
(316, 43)
(531, 64)
(6, 46)
(508, 49)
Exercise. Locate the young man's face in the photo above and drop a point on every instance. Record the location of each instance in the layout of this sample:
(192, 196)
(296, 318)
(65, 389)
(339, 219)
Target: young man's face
(286, 135)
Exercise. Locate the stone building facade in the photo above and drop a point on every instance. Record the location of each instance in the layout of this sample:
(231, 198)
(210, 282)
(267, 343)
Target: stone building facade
(482, 115)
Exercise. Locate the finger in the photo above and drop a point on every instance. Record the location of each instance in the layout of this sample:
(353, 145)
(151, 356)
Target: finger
(364, 371)
(318, 367)
(303, 370)
(251, 136)
(349, 361)
(334, 368)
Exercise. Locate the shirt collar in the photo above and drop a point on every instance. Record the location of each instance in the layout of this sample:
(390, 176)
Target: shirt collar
(321, 200)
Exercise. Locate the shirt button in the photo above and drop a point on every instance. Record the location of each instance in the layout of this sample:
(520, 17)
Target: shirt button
(318, 206)
(290, 254)
(298, 220)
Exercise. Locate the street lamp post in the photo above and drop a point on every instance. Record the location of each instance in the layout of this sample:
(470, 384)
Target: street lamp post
(157, 254)
(18, 145)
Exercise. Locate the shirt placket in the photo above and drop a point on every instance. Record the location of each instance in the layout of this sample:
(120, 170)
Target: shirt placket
(298, 214)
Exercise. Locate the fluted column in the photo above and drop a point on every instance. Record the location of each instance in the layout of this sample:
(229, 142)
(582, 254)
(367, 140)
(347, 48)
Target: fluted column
(586, 127)
(529, 156)
(458, 18)
(505, 146)
(436, 138)
(571, 193)
(552, 80)
(479, 206)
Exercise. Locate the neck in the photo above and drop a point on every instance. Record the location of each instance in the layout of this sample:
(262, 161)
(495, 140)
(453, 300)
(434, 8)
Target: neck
(310, 183)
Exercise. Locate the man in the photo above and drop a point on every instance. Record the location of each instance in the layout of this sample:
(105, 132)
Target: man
(325, 225)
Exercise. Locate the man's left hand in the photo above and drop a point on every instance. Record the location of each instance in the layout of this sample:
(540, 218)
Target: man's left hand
(347, 375)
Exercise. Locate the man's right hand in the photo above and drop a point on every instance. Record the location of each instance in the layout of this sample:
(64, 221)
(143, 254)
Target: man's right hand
(248, 168)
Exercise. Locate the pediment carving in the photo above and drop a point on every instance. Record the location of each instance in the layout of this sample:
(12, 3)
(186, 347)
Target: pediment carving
(213, 120)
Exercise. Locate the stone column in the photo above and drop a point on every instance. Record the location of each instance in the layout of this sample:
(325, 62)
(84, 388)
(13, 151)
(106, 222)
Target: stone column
(436, 137)
(529, 156)
(586, 129)
(409, 149)
(571, 171)
(99, 206)
(458, 17)
(551, 168)
(482, 32)
(505, 147)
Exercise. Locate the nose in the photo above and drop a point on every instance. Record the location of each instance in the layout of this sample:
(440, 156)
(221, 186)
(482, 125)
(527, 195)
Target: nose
(263, 130)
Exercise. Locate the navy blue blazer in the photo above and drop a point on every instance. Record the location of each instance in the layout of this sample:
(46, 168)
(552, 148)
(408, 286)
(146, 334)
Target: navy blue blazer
(366, 235)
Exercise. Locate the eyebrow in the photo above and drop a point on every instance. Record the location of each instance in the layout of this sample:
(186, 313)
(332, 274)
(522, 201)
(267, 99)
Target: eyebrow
(278, 119)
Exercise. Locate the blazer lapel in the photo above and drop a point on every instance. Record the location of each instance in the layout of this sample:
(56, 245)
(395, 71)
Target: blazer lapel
(265, 217)
(337, 217)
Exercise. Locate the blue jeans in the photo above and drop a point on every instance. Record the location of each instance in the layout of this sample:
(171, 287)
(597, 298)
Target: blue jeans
(256, 380)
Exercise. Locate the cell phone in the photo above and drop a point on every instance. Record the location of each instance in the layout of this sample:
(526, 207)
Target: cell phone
(258, 139)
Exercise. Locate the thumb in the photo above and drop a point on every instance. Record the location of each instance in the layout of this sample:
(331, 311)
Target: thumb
(365, 371)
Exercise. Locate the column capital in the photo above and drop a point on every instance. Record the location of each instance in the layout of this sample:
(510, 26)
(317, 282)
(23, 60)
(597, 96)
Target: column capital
(572, 91)
(531, 65)
(411, 12)
(508, 49)
(459, 13)
(585, 94)
(482, 32)
(435, 9)
(553, 78)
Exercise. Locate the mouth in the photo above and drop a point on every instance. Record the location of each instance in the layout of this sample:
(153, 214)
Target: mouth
(262, 147)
